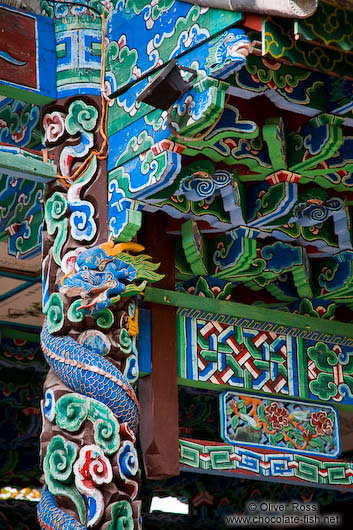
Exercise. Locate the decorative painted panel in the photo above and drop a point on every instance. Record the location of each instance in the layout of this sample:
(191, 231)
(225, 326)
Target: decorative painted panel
(79, 53)
(294, 426)
(27, 56)
(21, 215)
(19, 123)
(78, 46)
(179, 27)
(275, 466)
(262, 325)
(290, 87)
(211, 351)
(192, 113)
(279, 42)
(336, 30)
(248, 359)
(216, 58)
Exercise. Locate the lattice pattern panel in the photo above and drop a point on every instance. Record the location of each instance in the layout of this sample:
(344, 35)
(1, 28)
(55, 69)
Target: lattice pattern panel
(221, 353)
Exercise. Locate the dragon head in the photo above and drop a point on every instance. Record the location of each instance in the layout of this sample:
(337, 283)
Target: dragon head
(103, 274)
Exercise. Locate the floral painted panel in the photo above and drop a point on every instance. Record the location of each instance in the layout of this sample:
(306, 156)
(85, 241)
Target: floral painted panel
(279, 424)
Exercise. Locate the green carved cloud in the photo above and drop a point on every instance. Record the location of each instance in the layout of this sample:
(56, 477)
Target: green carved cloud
(122, 518)
(58, 469)
(81, 117)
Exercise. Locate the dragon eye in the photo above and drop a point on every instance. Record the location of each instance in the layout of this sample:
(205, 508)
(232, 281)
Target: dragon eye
(85, 268)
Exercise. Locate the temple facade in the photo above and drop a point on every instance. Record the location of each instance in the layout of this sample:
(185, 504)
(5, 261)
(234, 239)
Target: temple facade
(176, 263)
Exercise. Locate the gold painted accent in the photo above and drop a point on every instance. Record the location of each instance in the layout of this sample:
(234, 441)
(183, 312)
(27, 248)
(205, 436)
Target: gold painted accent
(112, 249)
(133, 324)
(63, 278)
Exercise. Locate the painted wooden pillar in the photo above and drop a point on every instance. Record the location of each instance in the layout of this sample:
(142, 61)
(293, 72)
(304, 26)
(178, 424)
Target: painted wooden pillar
(158, 392)
(90, 412)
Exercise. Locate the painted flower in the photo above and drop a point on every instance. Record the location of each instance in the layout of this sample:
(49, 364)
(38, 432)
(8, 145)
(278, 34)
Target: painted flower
(321, 422)
(2, 123)
(276, 416)
(54, 126)
(307, 434)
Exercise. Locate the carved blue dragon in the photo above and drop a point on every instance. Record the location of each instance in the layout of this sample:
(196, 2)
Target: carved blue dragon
(100, 276)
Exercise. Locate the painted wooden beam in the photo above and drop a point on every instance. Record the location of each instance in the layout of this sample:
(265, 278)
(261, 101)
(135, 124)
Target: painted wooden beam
(24, 164)
(135, 48)
(158, 392)
(264, 422)
(222, 459)
(331, 329)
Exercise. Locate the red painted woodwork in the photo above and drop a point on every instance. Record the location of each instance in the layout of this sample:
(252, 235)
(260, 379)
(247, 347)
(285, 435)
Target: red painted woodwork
(158, 392)
(18, 39)
(254, 22)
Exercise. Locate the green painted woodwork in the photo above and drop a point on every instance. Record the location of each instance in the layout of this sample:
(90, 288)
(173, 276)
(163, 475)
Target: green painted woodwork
(329, 26)
(301, 470)
(21, 163)
(279, 42)
(292, 88)
(274, 135)
(30, 97)
(235, 309)
(194, 248)
(133, 225)
(240, 269)
(333, 140)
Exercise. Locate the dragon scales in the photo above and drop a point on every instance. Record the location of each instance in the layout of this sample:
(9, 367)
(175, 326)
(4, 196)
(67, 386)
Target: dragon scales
(89, 338)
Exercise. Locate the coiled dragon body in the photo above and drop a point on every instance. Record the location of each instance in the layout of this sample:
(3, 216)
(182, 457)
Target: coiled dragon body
(90, 410)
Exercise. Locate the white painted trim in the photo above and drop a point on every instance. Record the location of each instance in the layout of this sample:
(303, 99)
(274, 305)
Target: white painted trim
(280, 8)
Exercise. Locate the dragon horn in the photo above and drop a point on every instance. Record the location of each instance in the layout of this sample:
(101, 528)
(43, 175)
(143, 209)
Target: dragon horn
(113, 250)
(63, 278)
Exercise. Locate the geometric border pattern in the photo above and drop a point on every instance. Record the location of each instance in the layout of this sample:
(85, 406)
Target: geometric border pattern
(223, 458)
(268, 327)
